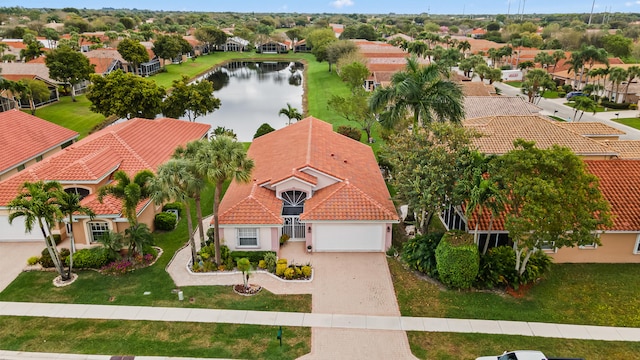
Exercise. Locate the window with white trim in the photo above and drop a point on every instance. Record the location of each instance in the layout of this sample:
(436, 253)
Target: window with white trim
(548, 246)
(97, 229)
(247, 237)
(593, 245)
(636, 248)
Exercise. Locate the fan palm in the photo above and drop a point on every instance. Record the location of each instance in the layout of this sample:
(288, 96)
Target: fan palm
(36, 204)
(222, 159)
(423, 90)
(129, 191)
(69, 204)
(291, 113)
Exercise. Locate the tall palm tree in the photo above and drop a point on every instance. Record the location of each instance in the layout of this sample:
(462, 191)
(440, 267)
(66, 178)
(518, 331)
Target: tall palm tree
(69, 204)
(582, 104)
(36, 204)
(129, 191)
(190, 154)
(177, 181)
(425, 91)
(223, 159)
(632, 73)
(617, 75)
(464, 46)
(291, 113)
(557, 56)
(576, 64)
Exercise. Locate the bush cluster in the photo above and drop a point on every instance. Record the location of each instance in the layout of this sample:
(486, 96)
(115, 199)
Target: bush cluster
(45, 259)
(253, 256)
(614, 105)
(497, 268)
(420, 253)
(350, 131)
(93, 258)
(174, 206)
(458, 260)
(124, 266)
(165, 221)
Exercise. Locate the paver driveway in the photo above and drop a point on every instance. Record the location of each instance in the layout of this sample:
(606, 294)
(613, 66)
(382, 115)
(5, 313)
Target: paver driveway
(13, 258)
(356, 284)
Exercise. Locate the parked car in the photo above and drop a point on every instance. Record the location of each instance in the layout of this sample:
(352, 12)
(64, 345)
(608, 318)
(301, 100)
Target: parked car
(522, 355)
(574, 94)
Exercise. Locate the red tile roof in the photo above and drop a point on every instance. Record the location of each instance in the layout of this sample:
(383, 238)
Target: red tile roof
(24, 136)
(308, 147)
(620, 185)
(130, 146)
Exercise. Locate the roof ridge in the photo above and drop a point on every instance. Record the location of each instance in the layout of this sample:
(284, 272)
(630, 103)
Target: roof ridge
(133, 152)
(309, 139)
(584, 137)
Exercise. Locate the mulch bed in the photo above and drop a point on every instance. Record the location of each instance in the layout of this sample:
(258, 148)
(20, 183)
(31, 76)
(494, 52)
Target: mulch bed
(251, 290)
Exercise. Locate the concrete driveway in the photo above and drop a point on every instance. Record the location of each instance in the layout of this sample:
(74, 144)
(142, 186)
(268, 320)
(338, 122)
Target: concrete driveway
(355, 284)
(13, 258)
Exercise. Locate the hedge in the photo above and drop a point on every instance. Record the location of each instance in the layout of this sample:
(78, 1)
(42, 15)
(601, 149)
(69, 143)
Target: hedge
(253, 256)
(93, 258)
(458, 260)
(165, 221)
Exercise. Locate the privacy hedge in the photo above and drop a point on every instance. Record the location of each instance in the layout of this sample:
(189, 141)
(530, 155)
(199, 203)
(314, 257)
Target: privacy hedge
(458, 260)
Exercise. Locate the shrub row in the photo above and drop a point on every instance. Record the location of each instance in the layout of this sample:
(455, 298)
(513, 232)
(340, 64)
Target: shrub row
(93, 258)
(253, 256)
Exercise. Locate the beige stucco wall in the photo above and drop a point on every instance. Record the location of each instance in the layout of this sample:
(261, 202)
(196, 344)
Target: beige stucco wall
(228, 236)
(615, 248)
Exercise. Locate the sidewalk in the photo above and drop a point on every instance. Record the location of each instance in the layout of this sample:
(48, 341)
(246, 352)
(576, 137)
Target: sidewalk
(317, 320)
(21, 355)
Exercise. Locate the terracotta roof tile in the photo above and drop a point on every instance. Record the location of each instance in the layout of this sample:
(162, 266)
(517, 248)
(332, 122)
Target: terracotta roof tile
(591, 128)
(482, 106)
(627, 149)
(500, 132)
(130, 146)
(620, 185)
(24, 136)
(311, 146)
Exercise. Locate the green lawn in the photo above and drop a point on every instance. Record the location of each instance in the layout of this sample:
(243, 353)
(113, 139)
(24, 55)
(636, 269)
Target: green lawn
(632, 122)
(515, 84)
(594, 294)
(599, 108)
(151, 338)
(469, 346)
(95, 288)
(72, 115)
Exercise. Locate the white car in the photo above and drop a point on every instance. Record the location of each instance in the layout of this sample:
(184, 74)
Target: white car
(517, 355)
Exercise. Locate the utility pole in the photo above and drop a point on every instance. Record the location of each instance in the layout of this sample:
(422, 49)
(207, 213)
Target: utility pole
(591, 15)
(524, 2)
(508, 8)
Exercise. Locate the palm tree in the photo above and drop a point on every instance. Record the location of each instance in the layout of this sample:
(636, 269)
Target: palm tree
(291, 113)
(190, 154)
(69, 204)
(583, 103)
(464, 46)
(576, 63)
(617, 75)
(129, 191)
(177, 181)
(138, 236)
(423, 90)
(632, 73)
(557, 56)
(536, 82)
(223, 159)
(36, 203)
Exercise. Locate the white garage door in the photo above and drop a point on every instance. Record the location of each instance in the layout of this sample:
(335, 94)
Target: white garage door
(15, 231)
(348, 237)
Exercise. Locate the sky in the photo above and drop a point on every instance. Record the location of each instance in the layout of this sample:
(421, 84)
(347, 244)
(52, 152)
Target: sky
(349, 6)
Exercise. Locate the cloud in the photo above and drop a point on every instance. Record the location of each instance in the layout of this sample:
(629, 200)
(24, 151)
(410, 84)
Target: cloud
(338, 4)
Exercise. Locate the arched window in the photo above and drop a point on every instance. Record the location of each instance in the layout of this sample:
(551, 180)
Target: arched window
(97, 229)
(293, 202)
(82, 192)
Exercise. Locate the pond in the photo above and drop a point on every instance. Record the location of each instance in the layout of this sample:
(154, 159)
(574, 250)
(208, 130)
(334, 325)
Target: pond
(252, 93)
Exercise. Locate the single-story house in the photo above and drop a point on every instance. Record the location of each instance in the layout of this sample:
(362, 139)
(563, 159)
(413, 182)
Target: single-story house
(301, 46)
(499, 133)
(619, 182)
(487, 105)
(26, 140)
(235, 44)
(54, 95)
(88, 164)
(314, 185)
(272, 47)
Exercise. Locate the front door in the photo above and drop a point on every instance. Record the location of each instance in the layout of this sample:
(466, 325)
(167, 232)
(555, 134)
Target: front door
(293, 227)
(292, 207)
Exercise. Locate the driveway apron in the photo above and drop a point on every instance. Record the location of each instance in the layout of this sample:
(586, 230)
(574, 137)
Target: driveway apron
(355, 284)
(13, 258)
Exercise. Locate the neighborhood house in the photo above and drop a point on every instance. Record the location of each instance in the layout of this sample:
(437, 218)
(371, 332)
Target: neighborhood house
(314, 185)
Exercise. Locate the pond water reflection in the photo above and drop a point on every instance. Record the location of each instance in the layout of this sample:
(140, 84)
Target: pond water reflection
(252, 93)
